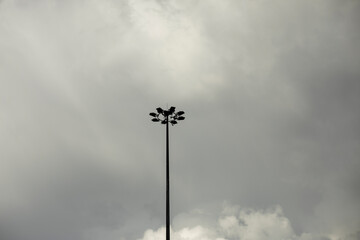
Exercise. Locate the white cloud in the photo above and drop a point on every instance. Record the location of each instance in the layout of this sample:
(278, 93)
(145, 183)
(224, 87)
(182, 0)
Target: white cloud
(233, 223)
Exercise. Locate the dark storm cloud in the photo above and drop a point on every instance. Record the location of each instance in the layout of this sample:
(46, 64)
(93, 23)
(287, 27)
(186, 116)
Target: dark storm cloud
(271, 95)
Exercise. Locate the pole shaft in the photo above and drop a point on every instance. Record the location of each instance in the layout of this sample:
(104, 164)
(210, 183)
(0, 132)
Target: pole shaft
(167, 182)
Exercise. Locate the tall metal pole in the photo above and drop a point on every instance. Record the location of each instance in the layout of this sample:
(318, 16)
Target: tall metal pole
(166, 116)
(167, 182)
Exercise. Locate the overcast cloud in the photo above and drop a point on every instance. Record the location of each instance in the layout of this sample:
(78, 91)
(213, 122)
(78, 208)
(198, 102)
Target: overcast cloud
(270, 148)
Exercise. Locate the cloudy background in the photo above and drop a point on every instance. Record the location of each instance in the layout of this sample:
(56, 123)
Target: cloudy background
(269, 148)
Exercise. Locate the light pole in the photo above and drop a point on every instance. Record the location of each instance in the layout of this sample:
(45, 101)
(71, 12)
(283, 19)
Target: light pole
(164, 117)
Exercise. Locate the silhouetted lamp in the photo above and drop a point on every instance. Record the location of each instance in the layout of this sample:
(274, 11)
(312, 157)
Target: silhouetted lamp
(166, 117)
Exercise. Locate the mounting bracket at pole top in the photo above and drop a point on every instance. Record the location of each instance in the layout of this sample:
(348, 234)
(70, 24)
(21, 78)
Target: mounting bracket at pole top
(165, 116)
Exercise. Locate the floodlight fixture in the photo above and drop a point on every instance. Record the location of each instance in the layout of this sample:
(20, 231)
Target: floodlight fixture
(166, 117)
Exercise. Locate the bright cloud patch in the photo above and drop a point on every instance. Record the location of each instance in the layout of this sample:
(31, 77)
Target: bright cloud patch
(237, 223)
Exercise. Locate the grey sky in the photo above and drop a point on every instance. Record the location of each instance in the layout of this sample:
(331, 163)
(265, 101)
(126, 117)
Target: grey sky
(269, 148)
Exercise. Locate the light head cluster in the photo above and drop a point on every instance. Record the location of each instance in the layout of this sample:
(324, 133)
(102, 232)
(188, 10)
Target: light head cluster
(165, 116)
